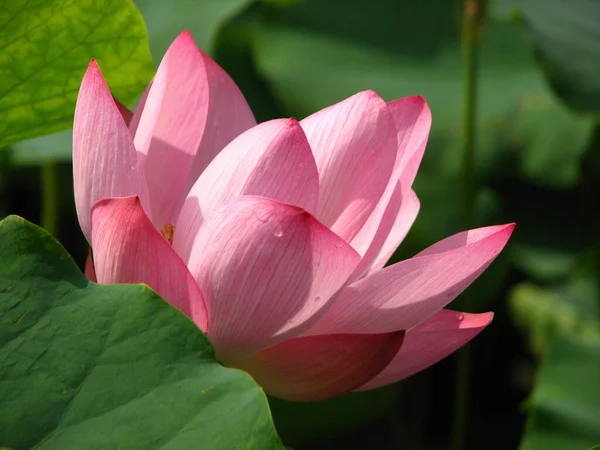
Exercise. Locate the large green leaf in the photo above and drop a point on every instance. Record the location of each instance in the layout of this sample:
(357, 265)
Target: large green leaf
(565, 408)
(566, 34)
(104, 367)
(45, 47)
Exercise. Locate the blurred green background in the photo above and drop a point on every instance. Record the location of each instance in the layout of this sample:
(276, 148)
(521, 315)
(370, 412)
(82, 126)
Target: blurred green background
(535, 381)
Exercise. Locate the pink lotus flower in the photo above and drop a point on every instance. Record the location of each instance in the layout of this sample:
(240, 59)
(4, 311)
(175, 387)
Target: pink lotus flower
(272, 238)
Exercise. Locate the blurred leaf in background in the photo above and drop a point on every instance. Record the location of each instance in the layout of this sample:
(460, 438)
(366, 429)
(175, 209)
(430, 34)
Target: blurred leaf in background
(45, 47)
(552, 141)
(51, 148)
(165, 20)
(570, 308)
(96, 366)
(566, 34)
(565, 406)
(341, 420)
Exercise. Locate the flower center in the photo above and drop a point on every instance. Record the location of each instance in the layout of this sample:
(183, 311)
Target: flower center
(168, 232)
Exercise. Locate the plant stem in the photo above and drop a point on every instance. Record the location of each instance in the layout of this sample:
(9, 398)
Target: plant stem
(472, 24)
(49, 200)
(471, 32)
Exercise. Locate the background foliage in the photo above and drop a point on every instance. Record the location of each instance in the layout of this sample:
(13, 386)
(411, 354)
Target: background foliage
(536, 369)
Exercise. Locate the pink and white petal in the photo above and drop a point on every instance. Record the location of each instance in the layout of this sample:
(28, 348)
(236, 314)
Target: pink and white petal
(320, 367)
(192, 110)
(401, 224)
(399, 216)
(430, 342)
(354, 143)
(412, 119)
(128, 249)
(271, 160)
(267, 271)
(465, 238)
(409, 292)
(105, 163)
(89, 271)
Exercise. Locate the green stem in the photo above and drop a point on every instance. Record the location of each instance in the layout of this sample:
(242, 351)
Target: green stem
(462, 398)
(471, 31)
(49, 200)
(474, 14)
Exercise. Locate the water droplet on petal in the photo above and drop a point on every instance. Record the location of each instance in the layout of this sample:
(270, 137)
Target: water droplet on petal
(263, 218)
(460, 317)
(317, 299)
